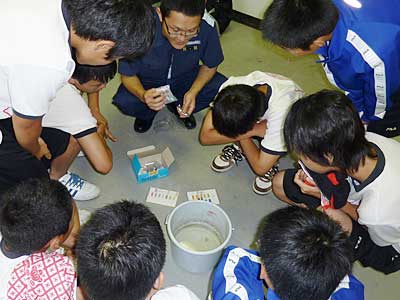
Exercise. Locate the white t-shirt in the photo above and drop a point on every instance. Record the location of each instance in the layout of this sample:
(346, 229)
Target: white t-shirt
(284, 93)
(378, 199)
(177, 292)
(69, 112)
(35, 57)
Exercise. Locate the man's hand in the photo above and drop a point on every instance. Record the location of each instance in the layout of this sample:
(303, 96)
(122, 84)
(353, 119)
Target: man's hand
(154, 99)
(102, 126)
(43, 150)
(305, 188)
(189, 103)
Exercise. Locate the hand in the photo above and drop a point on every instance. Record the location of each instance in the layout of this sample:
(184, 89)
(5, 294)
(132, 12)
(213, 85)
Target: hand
(102, 126)
(154, 99)
(189, 103)
(43, 150)
(305, 188)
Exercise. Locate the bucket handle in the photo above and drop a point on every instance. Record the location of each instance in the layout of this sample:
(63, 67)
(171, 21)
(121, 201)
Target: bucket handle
(167, 219)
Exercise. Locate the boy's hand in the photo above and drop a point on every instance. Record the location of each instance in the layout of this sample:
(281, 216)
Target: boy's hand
(189, 103)
(43, 150)
(102, 126)
(305, 188)
(154, 99)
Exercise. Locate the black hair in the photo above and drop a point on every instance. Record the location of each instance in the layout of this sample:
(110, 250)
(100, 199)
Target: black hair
(120, 252)
(130, 24)
(236, 109)
(190, 8)
(85, 73)
(305, 253)
(33, 212)
(298, 23)
(326, 124)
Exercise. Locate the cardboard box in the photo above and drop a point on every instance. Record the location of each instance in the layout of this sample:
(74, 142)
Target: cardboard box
(148, 163)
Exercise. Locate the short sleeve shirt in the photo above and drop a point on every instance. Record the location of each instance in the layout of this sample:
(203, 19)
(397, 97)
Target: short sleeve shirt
(284, 92)
(35, 60)
(164, 64)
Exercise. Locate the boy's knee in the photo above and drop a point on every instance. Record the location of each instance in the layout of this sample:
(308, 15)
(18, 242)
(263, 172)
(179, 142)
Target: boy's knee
(104, 167)
(277, 185)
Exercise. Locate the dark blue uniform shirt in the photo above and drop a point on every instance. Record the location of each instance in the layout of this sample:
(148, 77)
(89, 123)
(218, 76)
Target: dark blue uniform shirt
(153, 68)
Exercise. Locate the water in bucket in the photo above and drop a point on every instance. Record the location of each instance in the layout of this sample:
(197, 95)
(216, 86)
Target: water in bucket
(198, 236)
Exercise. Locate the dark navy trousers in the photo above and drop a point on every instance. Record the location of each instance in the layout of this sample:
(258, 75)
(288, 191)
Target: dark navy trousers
(130, 105)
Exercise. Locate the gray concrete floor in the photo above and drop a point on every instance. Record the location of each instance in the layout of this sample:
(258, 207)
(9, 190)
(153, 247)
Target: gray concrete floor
(244, 51)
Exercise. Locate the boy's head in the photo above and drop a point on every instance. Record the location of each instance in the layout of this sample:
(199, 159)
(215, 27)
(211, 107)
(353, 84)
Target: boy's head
(236, 109)
(180, 20)
(326, 132)
(90, 79)
(300, 26)
(304, 253)
(120, 251)
(35, 214)
(110, 29)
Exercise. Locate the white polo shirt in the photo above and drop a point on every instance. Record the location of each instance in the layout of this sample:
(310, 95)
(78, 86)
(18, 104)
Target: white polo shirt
(35, 57)
(284, 93)
(378, 198)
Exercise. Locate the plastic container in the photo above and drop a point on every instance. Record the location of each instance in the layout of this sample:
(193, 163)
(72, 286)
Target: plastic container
(211, 231)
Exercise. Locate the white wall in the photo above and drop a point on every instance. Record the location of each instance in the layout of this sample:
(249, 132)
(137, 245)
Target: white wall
(255, 8)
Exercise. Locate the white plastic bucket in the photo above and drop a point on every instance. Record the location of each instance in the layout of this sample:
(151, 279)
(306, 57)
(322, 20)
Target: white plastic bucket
(198, 212)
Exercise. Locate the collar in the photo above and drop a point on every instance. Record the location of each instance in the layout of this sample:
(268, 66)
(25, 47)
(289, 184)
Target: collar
(380, 165)
(9, 254)
(333, 48)
(66, 15)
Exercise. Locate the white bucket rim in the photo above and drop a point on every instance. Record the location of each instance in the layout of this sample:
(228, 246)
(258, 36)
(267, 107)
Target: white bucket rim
(175, 241)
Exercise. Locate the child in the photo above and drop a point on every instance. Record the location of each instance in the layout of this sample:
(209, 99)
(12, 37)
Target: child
(304, 255)
(70, 113)
(248, 106)
(36, 62)
(326, 133)
(121, 252)
(37, 216)
(344, 34)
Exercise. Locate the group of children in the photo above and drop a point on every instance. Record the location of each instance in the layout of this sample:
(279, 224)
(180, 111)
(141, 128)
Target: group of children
(120, 253)
(345, 172)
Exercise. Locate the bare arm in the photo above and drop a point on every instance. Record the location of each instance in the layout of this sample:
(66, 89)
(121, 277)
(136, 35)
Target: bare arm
(102, 122)
(210, 136)
(27, 133)
(259, 160)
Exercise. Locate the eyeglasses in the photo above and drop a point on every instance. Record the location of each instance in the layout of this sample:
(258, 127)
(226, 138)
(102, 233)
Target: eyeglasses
(185, 34)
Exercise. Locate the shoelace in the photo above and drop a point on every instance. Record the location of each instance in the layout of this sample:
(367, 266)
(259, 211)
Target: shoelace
(271, 173)
(75, 181)
(230, 152)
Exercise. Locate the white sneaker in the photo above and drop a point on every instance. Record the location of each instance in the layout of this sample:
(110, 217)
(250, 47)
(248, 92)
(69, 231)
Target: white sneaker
(230, 156)
(79, 188)
(262, 185)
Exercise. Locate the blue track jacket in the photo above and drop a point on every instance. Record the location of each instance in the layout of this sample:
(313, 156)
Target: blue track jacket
(363, 56)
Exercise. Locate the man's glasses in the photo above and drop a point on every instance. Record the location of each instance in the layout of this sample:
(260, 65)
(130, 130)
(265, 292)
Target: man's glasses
(177, 33)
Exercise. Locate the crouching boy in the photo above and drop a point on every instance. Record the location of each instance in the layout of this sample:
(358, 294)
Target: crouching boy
(250, 106)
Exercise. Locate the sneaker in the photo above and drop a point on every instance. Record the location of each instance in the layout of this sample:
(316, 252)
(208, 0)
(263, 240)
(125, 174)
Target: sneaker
(79, 188)
(230, 155)
(262, 185)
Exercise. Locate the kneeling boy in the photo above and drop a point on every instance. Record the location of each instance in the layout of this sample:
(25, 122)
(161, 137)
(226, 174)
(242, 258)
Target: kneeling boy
(250, 106)
(303, 255)
(121, 252)
(36, 218)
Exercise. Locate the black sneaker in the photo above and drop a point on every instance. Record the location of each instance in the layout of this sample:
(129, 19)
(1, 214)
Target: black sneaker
(142, 125)
(189, 122)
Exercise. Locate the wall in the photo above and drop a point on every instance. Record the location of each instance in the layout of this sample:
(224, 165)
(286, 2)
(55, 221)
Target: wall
(254, 8)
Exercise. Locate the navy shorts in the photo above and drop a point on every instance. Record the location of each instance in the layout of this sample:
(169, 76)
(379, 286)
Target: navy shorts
(17, 164)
